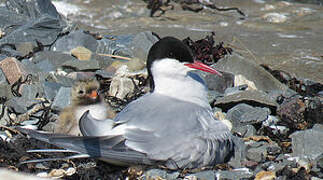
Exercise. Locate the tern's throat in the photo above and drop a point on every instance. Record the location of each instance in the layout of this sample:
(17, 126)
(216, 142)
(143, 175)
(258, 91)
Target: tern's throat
(183, 87)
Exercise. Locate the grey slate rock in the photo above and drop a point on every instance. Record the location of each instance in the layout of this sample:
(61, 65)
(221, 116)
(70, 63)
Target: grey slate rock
(73, 40)
(3, 80)
(116, 45)
(263, 80)
(51, 89)
(308, 143)
(159, 173)
(257, 154)
(5, 90)
(202, 175)
(236, 89)
(17, 104)
(246, 131)
(62, 98)
(56, 59)
(243, 114)
(78, 65)
(219, 83)
(239, 153)
(141, 44)
(236, 174)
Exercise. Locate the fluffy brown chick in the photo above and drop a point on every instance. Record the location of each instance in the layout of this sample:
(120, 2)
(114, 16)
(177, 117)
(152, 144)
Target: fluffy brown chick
(84, 96)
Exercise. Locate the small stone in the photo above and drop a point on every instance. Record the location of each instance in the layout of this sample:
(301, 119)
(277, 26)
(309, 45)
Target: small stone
(25, 48)
(234, 174)
(246, 131)
(51, 89)
(275, 17)
(257, 154)
(81, 53)
(62, 98)
(241, 80)
(203, 175)
(3, 80)
(265, 175)
(307, 143)
(13, 69)
(81, 65)
(160, 174)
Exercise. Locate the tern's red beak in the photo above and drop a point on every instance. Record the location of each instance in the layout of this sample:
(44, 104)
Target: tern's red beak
(200, 66)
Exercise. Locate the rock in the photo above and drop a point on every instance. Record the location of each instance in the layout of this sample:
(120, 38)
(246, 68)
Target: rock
(265, 175)
(203, 175)
(62, 99)
(262, 79)
(275, 17)
(159, 174)
(241, 80)
(271, 120)
(73, 40)
(25, 48)
(5, 91)
(242, 173)
(141, 43)
(239, 153)
(116, 45)
(12, 69)
(55, 58)
(78, 65)
(251, 97)
(245, 131)
(257, 154)
(236, 89)
(81, 53)
(243, 114)
(51, 89)
(307, 143)
(218, 83)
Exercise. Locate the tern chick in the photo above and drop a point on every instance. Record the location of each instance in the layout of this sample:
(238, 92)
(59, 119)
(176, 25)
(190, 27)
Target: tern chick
(84, 96)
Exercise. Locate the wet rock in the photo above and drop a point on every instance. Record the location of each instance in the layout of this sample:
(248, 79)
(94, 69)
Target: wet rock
(202, 175)
(62, 99)
(73, 40)
(308, 143)
(255, 98)
(243, 114)
(234, 174)
(159, 174)
(13, 69)
(81, 53)
(262, 79)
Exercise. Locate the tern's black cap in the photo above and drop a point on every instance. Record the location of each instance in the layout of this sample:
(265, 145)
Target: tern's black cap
(168, 47)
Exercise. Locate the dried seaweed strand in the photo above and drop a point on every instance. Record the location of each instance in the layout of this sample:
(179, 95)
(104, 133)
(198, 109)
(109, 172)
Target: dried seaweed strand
(115, 56)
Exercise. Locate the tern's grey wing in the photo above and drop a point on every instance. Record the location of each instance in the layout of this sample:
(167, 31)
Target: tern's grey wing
(108, 148)
(90, 126)
(167, 129)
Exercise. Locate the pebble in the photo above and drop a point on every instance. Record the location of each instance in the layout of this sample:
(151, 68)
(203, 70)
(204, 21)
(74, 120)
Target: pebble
(275, 17)
(62, 99)
(13, 69)
(81, 53)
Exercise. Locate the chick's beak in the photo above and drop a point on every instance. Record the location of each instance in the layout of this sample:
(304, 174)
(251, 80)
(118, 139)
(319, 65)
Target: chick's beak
(200, 66)
(93, 95)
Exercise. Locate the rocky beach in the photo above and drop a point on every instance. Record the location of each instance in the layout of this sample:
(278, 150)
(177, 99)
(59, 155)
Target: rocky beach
(269, 52)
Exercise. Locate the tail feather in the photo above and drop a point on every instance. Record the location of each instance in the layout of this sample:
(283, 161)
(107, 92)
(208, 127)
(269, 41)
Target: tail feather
(107, 148)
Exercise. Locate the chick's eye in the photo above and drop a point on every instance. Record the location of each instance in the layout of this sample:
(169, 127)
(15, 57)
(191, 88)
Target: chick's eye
(81, 92)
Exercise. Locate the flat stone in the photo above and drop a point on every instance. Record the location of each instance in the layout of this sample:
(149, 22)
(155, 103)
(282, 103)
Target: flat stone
(24, 48)
(257, 154)
(262, 79)
(234, 174)
(5, 91)
(62, 98)
(73, 40)
(51, 89)
(81, 53)
(56, 59)
(141, 44)
(246, 131)
(218, 83)
(81, 65)
(203, 175)
(159, 174)
(307, 143)
(243, 114)
(251, 97)
(13, 69)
